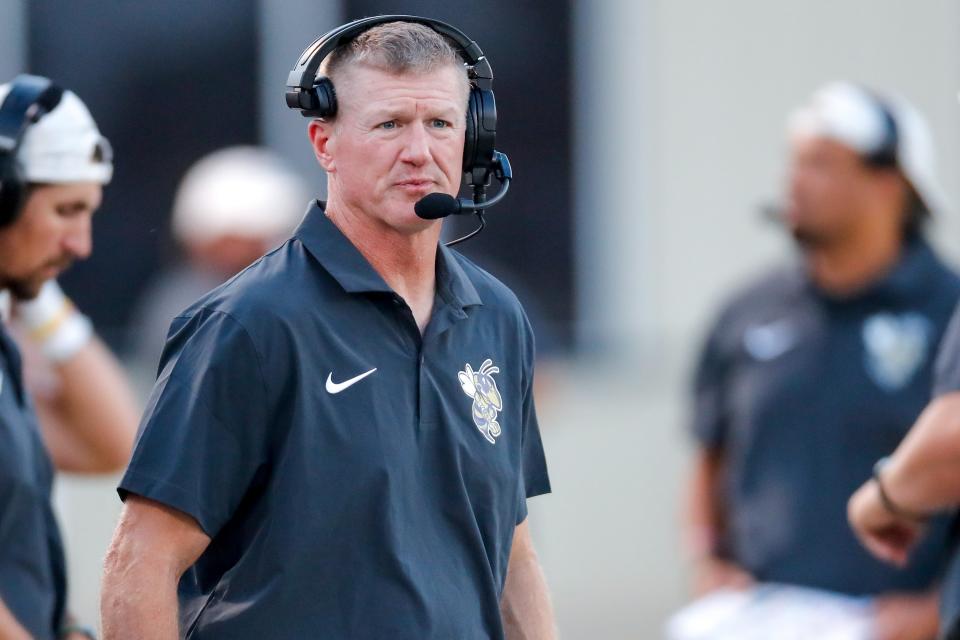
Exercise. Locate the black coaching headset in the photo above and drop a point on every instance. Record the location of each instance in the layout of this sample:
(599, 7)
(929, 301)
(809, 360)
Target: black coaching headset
(29, 99)
(316, 98)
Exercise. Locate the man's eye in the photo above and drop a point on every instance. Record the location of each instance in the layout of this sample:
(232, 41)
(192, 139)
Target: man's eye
(390, 124)
(440, 124)
(69, 211)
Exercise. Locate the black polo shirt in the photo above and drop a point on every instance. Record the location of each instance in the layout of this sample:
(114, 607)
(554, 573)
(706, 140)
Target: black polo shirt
(32, 571)
(803, 393)
(357, 480)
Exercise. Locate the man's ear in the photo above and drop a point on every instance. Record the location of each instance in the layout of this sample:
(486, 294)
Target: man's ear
(321, 133)
(894, 185)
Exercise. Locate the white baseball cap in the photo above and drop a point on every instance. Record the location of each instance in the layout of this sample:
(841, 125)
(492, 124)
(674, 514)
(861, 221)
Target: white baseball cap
(861, 119)
(244, 191)
(64, 145)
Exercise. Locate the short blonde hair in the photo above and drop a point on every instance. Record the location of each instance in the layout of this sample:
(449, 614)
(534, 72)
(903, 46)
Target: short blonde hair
(398, 48)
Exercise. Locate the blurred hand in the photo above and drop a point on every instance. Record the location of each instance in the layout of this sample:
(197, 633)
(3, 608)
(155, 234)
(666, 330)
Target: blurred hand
(711, 573)
(886, 536)
(907, 617)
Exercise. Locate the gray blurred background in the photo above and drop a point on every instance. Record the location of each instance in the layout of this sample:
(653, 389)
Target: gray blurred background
(644, 135)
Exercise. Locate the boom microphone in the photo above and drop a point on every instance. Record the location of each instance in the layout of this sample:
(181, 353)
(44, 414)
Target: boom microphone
(434, 206)
(437, 205)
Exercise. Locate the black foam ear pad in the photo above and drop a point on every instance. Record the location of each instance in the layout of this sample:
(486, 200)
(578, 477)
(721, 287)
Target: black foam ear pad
(326, 98)
(470, 134)
(12, 192)
(480, 135)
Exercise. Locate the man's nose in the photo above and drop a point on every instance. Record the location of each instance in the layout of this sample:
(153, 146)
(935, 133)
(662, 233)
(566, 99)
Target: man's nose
(416, 148)
(78, 239)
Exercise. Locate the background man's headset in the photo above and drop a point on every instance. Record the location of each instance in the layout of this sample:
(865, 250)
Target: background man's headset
(316, 98)
(30, 98)
(885, 156)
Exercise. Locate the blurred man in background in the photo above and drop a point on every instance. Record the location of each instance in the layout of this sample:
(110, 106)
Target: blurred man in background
(53, 163)
(816, 371)
(232, 206)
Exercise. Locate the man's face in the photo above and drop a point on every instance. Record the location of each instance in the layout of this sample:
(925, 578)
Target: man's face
(830, 190)
(52, 231)
(396, 139)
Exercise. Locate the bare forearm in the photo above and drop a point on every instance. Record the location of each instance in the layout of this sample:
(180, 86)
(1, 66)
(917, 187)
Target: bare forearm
(94, 413)
(924, 474)
(10, 629)
(704, 511)
(525, 605)
(137, 603)
(152, 547)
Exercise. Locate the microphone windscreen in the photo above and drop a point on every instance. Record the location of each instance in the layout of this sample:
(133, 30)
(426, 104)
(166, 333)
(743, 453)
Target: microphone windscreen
(434, 206)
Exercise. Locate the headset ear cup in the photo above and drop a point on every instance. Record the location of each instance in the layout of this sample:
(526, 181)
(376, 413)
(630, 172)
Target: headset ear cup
(470, 136)
(326, 98)
(481, 134)
(12, 193)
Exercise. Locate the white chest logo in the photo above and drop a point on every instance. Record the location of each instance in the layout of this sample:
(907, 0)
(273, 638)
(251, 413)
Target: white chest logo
(337, 387)
(769, 341)
(487, 403)
(896, 346)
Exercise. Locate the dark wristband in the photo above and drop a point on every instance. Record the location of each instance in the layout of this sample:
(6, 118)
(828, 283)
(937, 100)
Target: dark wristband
(889, 504)
(67, 629)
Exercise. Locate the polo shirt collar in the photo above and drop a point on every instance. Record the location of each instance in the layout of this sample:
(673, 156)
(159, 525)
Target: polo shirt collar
(344, 262)
(452, 280)
(912, 272)
(907, 279)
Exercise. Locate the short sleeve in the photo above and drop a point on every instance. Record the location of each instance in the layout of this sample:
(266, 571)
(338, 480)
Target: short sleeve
(947, 368)
(203, 436)
(708, 419)
(535, 479)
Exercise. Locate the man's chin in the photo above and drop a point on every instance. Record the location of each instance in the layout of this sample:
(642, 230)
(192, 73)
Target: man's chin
(24, 289)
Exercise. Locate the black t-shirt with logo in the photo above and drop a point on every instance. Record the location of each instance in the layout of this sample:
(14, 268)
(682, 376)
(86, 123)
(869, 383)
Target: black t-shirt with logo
(357, 479)
(803, 393)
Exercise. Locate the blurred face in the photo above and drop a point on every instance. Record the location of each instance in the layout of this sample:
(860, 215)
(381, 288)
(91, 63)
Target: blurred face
(396, 139)
(52, 231)
(227, 255)
(830, 191)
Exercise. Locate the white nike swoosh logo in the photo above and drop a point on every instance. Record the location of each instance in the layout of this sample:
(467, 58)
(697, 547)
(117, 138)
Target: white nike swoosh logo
(337, 387)
(770, 341)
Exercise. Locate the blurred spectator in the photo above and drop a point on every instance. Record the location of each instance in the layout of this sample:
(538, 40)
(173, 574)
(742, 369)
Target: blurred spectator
(818, 369)
(232, 206)
(53, 175)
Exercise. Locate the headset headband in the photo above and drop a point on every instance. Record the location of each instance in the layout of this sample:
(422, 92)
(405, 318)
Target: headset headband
(29, 99)
(886, 154)
(303, 75)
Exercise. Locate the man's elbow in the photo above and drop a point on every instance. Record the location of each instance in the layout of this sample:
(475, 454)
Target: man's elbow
(113, 454)
(116, 457)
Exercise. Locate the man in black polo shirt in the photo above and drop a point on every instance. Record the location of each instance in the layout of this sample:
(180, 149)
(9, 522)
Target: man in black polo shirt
(342, 438)
(53, 165)
(817, 370)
